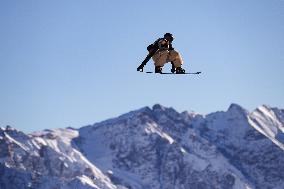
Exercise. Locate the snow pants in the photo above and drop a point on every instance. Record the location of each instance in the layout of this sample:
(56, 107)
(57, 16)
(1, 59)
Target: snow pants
(160, 58)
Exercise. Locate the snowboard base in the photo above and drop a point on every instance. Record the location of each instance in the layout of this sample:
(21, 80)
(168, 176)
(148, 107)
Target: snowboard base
(175, 73)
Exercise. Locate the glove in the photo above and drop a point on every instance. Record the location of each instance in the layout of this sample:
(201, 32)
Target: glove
(140, 68)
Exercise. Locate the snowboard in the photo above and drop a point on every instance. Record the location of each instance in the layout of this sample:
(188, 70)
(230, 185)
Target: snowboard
(175, 73)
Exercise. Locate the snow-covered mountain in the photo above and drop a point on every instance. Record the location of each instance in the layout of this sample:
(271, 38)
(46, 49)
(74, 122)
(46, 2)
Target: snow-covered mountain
(151, 148)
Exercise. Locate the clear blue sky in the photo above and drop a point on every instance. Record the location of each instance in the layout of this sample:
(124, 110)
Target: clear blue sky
(71, 63)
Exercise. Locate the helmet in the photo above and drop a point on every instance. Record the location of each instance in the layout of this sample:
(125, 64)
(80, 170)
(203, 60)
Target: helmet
(169, 36)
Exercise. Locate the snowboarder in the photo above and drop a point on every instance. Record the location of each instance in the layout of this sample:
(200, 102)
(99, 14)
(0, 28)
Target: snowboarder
(162, 51)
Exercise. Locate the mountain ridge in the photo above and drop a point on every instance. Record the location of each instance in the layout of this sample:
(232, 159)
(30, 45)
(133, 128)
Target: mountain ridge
(154, 147)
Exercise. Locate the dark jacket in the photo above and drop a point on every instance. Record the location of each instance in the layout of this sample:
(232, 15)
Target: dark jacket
(160, 44)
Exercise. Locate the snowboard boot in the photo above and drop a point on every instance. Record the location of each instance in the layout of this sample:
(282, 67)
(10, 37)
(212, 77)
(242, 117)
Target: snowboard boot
(158, 69)
(179, 70)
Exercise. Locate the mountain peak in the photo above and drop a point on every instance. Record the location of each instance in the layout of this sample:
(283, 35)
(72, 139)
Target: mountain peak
(158, 107)
(237, 109)
(11, 131)
(7, 128)
(264, 108)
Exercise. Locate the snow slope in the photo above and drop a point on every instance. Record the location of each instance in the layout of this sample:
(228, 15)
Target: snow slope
(44, 160)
